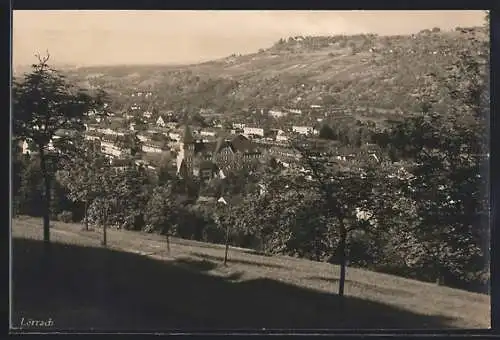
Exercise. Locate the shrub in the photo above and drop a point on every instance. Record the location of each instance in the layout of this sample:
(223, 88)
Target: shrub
(65, 216)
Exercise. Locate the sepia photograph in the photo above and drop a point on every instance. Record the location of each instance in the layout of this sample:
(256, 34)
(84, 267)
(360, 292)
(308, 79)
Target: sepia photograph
(265, 170)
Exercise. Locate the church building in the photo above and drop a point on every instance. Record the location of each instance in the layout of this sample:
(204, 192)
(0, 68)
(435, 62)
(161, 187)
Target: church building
(208, 160)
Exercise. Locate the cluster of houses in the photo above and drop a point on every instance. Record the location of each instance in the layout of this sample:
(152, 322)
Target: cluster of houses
(26, 149)
(269, 134)
(164, 133)
(203, 152)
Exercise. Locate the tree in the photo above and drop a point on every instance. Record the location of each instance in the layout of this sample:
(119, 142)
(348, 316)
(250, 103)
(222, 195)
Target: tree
(326, 132)
(44, 102)
(345, 188)
(125, 192)
(28, 187)
(241, 177)
(82, 175)
(161, 211)
(165, 169)
(105, 204)
(448, 153)
(329, 100)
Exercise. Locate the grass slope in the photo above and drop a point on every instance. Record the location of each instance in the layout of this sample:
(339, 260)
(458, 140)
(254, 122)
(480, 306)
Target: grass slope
(136, 285)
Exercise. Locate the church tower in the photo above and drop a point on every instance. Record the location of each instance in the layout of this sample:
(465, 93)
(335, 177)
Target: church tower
(185, 157)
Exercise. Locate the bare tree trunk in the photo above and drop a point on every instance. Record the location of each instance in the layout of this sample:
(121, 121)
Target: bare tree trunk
(46, 210)
(168, 243)
(104, 230)
(86, 216)
(104, 235)
(342, 246)
(227, 245)
(439, 274)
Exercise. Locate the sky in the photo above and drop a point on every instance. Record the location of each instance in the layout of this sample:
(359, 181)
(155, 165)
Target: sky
(176, 37)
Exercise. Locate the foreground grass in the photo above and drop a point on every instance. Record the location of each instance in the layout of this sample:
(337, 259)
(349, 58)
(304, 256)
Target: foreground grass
(136, 285)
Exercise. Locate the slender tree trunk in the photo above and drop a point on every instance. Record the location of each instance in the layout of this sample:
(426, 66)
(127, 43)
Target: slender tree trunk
(342, 250)
(439, 275)
(168, 243)
(104, 230)
(104, 235)
(46, 210)
(86, 216)
(227, 245)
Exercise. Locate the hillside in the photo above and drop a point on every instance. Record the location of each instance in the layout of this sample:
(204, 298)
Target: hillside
(136, 285)
(368, 74)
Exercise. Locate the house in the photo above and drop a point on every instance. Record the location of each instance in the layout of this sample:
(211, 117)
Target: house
(207, 133)
(92, 137)
(272, 134)
(283, 154)
(277, 114)
(205, 200)
(174, 135)
(172, 125)
(253, 131)
(147, 114)
(281, 136)
(303, 130)
(121, 164)
(151, 146)
(296, 111)
(238, 126)
(111, 149)
(316, 106)
(143, 137)
(111, 132)
(25, 150)
(161, 122)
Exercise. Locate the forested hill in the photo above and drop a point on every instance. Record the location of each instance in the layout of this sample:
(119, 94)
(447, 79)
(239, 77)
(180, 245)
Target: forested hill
(367, 73)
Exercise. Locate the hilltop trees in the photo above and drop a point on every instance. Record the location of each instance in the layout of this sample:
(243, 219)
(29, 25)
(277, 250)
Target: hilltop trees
(44, 102)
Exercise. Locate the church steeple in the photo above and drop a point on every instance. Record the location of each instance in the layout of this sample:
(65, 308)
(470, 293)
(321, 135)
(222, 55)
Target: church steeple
(186, 155)
(187, 137)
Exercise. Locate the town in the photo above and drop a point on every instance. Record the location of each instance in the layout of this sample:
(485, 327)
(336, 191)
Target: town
(163, 136)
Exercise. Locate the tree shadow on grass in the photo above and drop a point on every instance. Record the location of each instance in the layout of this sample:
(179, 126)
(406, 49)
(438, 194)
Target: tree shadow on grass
(84, 288)
(199, 265)
(232, 260)
(368, 286)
